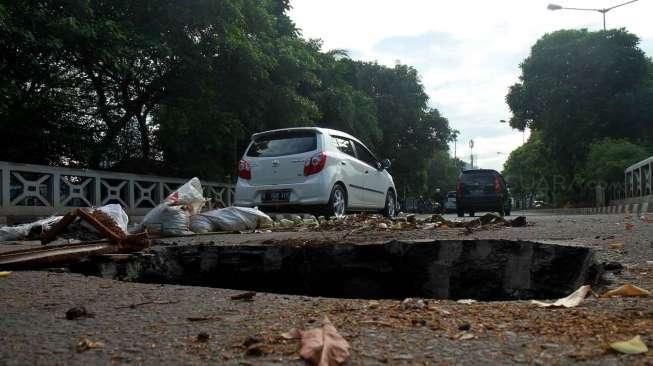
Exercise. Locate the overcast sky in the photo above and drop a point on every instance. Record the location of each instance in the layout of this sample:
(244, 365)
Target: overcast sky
(467, 51)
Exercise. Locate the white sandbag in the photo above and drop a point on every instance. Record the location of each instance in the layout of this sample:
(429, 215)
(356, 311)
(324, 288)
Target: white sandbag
(166, 220)
(200, 224)
(233, 219)
(116, 212)
(190, 195)
(20, 232)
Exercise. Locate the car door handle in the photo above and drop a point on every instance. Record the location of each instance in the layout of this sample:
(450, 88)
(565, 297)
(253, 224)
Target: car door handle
(366, 172)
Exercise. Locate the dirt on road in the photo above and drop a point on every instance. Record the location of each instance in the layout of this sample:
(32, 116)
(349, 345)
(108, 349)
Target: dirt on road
(169, 324)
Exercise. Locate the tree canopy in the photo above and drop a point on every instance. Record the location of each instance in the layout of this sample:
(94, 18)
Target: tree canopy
(577, 88)
(177, 88)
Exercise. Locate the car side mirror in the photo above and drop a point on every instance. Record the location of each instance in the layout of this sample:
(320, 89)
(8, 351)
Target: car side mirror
(384, 164)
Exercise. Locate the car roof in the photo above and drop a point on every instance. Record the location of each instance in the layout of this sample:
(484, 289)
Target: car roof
(480, 171)
(325, 131)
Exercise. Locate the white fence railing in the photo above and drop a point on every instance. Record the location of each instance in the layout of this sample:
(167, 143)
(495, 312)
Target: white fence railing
(639, 178)
(38, 190)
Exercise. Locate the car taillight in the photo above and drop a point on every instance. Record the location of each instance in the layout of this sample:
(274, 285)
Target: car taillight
(497, 185)
(315, 164)
(243, 170)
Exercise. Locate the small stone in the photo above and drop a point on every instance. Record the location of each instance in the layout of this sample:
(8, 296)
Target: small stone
(251, 340)
(255, 349)
(550, 346)
(77, 312)
(203, 337)
(382, 225)
(411, 303)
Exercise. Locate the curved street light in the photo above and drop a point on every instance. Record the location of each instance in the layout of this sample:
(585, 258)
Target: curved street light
(602, 11)
(523, 132)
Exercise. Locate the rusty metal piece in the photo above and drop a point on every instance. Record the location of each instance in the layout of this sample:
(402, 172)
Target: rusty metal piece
(134, 242)
(103, 229)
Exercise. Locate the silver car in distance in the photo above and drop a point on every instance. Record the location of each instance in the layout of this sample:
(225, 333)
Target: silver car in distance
(317, 167)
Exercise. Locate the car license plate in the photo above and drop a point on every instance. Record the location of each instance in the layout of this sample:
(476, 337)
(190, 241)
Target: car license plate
(276, 196)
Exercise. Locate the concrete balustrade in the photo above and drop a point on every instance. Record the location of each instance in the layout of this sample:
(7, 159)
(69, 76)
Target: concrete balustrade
(38, 190)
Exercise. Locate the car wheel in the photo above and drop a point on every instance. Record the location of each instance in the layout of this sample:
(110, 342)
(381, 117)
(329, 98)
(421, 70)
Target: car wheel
(507, 212)
(502, 212)
(460, 213)
(390, 209)
(337, 202)
(471, 213)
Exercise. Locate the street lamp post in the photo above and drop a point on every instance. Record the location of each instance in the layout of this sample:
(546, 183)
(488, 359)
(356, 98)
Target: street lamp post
(471, 153)
(602, 11)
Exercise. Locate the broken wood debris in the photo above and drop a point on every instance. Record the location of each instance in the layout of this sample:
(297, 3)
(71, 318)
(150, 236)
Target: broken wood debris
(117, 242)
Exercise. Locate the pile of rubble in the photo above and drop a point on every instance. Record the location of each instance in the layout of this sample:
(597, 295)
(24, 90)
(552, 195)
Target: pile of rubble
(377, 223)
(106, 229)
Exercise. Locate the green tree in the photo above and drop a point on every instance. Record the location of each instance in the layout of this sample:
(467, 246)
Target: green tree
(443, 172)
(178, 87)
(608, 158)
(530, 170)
(578, 86)
(411, 130)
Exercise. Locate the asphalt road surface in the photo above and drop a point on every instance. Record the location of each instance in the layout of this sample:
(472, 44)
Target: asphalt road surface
(168, 324)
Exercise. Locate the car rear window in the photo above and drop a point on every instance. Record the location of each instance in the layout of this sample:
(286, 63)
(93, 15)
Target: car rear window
(478, 177)
(283, 143)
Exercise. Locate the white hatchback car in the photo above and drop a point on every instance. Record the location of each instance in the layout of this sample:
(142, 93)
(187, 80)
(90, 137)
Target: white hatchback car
(312, 166)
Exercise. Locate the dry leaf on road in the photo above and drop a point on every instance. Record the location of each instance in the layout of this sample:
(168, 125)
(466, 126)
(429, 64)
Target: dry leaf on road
(5, 273)
(616, 246)
(627, 290)
(291, 334)
(568, 302)
(463, 336)
(86, 344)
(324, 346)
(632, 346)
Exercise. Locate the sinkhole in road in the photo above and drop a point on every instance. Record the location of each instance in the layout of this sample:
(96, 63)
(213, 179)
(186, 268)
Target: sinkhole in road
(442, 269)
